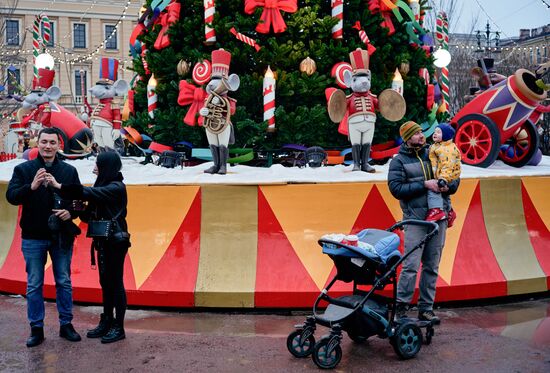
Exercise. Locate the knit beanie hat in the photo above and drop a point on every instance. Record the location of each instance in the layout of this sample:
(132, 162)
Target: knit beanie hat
(447, 132)
(408, 129)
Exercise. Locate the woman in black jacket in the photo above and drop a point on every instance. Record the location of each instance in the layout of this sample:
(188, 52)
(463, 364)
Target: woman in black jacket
(107, 200)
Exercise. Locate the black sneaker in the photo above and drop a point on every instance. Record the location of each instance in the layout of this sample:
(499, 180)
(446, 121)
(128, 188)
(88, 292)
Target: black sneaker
(429, 315)
(401, 310)
(67, 331)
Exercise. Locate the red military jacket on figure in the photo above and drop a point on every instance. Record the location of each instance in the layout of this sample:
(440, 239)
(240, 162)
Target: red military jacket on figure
(108, 112)
(42, 114)
(361, 103)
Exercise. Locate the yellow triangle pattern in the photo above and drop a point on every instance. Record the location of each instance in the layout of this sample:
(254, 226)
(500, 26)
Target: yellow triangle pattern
(391, 201)
(537, 188)
(155, 214)
(313, 211)
(460, 202)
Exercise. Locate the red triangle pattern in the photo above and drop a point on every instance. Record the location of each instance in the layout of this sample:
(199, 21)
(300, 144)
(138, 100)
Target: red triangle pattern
(476, 273)
(281, 278)
(374, 214)
(180, 261)
(538, 234)
(13, 277)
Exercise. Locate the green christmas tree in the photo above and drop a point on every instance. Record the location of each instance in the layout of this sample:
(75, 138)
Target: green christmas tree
(301, 108)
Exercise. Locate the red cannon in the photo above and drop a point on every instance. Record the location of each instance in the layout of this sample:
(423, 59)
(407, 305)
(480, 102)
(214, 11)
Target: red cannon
(501, 122)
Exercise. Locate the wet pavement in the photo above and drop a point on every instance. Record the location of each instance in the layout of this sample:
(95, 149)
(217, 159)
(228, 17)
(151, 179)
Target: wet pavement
(512, 337)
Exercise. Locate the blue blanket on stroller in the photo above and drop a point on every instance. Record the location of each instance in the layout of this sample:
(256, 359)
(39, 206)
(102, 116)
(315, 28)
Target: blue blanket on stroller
(385, 244)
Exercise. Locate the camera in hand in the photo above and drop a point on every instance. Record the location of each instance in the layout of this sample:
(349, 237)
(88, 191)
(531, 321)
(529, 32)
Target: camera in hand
(441, 183)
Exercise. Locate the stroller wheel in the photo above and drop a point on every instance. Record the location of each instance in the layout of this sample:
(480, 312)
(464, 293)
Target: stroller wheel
(326, 357)
(407, 340)
(297, 347)
(429, 335)
(357, 338)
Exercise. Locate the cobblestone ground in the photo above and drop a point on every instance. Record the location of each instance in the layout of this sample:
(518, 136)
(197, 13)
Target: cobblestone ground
(497, 338)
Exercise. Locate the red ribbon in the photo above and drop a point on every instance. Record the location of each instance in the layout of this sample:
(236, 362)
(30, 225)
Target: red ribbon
(376, 6)
(166, 19)
(271, 15)
(194, 96)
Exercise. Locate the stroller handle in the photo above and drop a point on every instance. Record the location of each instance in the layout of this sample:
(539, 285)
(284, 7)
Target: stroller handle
(430, 224)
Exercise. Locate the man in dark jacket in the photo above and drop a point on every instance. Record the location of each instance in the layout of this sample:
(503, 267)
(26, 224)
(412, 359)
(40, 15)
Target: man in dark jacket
(409, 179)
(46, 227)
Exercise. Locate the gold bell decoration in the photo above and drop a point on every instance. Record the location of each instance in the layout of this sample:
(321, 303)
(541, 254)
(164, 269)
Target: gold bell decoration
(308, 66)
(183, 68)
(404, 68)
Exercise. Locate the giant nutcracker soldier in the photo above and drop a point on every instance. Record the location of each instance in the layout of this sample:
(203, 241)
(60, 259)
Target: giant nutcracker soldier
(105, 119)
(357, 112)
(218, 109)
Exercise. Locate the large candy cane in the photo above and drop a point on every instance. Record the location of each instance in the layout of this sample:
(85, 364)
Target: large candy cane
(442, 36)
(209, 32)
(37, 41)
(337, 11)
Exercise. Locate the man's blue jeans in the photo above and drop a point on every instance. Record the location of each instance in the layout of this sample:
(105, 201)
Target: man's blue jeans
(35, 253)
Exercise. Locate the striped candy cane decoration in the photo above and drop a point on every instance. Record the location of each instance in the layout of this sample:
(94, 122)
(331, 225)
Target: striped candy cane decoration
(209, 32)
(37, 41)
(337, 7)
(442, 36)
(245, 39)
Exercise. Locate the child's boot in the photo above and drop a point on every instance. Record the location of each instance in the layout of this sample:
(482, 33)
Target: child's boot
(435, 215)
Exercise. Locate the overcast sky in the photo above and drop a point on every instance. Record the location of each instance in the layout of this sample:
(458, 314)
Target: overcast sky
(508, 16)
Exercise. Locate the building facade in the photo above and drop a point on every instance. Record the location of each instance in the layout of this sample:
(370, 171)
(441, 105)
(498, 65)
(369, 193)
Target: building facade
(81, 33)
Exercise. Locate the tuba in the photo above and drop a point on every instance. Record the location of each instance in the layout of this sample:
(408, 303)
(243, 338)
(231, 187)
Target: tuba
(218, 113)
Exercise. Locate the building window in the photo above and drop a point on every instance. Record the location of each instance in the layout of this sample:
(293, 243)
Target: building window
(112, 42)
(79, 35)
(12, 32)
(52, 34)
(80, 82)
(14, 80)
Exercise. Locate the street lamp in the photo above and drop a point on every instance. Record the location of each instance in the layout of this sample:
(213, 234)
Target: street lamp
(45, 61)
(488, 39)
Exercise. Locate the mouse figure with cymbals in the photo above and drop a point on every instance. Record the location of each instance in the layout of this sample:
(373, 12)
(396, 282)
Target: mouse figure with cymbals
(358, 110)
(217, 110)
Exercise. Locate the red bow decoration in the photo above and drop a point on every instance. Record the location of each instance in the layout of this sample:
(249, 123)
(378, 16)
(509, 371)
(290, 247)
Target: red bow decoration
(271, 16)
(376, 6)
(194, 96)
(166, 19)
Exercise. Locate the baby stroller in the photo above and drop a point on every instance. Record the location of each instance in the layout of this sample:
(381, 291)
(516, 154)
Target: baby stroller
(364, 313)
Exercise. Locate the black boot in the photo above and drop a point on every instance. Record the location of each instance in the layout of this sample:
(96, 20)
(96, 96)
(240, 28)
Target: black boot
(67, 331)
(365, 152)
(37, 336)
(224, 155)
(116, 333)
(216, 158)
(102, 328)
(356, 155)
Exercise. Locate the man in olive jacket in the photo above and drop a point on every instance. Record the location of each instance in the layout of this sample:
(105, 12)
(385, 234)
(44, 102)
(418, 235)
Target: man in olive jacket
(46, 227)
(409, 179)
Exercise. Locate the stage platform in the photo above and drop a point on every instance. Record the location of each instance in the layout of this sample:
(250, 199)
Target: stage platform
(255, 246)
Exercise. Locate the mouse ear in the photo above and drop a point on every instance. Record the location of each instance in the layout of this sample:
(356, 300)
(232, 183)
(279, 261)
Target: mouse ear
(347, 78)
(233, 82)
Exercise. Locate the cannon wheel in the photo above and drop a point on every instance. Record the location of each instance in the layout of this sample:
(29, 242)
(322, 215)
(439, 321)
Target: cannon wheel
(518, 150)
(478, 139)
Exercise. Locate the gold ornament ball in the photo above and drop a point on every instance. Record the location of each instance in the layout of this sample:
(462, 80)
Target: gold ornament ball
(183, 68)
(308, 66)
(404, 68)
